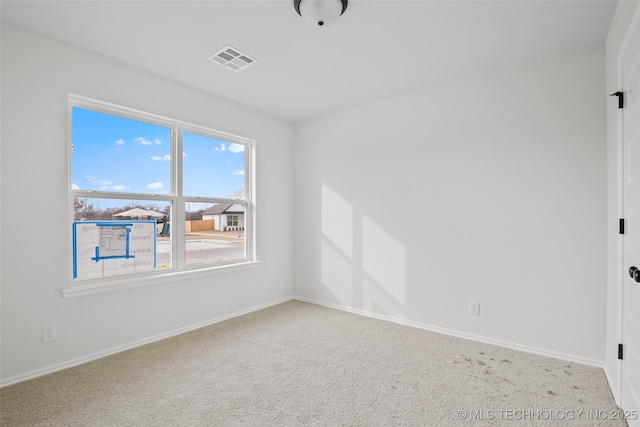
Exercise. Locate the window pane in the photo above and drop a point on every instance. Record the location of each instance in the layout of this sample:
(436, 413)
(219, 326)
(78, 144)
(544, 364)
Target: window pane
(107, 210)
(112, 153)
(209, 236)
(211, 167)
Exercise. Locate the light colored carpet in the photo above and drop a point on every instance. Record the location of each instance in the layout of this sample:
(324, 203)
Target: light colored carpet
(303, 364)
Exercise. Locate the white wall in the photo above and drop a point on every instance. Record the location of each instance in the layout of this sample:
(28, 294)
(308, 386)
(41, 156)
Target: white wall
(490, 189)
(617, 32)
(37, 75)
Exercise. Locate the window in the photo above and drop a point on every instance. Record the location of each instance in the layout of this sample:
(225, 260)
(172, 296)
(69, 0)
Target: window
(150, 194)
(232, 221)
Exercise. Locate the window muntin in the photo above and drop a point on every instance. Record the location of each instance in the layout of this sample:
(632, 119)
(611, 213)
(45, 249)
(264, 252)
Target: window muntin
(218, 173)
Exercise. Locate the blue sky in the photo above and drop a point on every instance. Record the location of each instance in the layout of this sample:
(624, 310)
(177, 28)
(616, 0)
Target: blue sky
(123, 155)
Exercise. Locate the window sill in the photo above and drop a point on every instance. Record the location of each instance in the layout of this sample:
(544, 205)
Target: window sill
(109, 285)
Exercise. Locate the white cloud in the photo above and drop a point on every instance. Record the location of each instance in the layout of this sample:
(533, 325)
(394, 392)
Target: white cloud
(166, 158)
(236, 148)
(157, 141)
(184, 154)
(239, 172)
(221, 148)
(196, 206)
(142, 141)
(155, 185)
(121, 142)
(104, 184)
(75, 186)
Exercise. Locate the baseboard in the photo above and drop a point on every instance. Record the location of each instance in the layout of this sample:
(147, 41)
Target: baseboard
(514, 346)
(458, 334)
(88, 358)
(614, 384)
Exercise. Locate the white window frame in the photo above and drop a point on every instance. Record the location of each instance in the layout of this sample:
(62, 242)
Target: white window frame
(177, 200)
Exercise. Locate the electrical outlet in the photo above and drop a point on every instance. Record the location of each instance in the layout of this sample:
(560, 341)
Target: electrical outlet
(474, 308)
(263, 285)
(49, 333)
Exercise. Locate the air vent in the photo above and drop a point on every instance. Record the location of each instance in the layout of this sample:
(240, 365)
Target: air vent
(232, 58)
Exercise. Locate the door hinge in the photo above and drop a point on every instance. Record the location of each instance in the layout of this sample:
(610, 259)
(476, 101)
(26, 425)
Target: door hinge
(621, 226)
(620, 351)
(620, 96)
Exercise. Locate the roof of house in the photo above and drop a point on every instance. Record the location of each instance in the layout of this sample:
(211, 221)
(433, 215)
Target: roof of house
(140, 213)
(228, 208)
(217, 209)
(225, 208)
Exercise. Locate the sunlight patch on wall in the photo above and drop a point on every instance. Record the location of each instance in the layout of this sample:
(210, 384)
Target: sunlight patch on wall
(337, 221)
(384, 259)
(337, 273)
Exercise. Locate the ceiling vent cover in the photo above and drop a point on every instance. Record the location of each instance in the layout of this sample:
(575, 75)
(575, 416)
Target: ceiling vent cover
(232, 58)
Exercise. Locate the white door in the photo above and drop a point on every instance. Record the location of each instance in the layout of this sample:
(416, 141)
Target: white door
(630, 66)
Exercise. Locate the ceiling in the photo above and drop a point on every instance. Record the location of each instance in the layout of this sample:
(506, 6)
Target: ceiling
(376, 50)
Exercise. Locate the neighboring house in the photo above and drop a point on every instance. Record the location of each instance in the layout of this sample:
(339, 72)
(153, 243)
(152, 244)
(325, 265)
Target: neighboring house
(227, 216)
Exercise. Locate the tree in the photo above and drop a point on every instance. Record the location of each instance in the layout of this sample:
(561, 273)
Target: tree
(83, 210)
(192, 216)
(79, 204)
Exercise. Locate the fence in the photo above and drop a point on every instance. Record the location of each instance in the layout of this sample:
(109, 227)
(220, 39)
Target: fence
(199, 225)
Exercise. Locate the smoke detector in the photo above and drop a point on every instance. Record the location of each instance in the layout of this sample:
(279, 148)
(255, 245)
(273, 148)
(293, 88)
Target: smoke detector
(232, 58)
